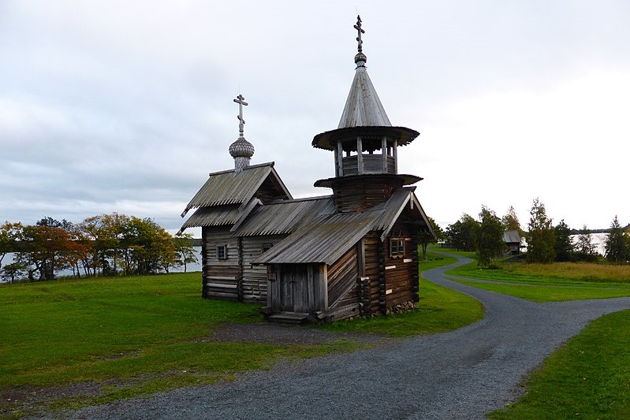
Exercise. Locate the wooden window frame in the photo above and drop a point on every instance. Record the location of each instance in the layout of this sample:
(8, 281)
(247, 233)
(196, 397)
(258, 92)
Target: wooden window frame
(223, 247)
(398, 250)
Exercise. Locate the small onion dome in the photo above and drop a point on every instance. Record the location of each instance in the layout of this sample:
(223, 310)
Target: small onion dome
(360, 59)
(241, 148)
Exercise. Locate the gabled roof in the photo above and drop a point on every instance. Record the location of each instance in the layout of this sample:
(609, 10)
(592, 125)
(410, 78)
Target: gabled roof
(230, 187)
(323, 241)
(327, 237)
(511, 236)
(363, 106)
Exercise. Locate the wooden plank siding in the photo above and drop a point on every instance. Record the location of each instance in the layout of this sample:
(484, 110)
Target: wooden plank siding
(372, 164)
(343, 287)
(234, 278)
(269, 191)
(254, 283)
(298, 288)
(220, 278)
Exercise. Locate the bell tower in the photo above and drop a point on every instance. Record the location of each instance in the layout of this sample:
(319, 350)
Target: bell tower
(365, 145)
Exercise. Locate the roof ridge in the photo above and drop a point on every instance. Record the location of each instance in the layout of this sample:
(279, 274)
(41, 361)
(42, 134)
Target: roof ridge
(295, 200)
(258, 165)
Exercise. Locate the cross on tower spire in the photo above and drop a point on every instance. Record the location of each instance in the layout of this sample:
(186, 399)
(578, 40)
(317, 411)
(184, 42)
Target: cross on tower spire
(240, 100)
(241, 150)
(359, 32)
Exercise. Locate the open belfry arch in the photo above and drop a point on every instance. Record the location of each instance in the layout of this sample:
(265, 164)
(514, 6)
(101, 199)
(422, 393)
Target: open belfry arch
(347, 254)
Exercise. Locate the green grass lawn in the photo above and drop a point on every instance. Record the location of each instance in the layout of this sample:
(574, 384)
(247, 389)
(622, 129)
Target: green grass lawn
(440, 309)
(132, 335)
(548, 282)
(589, 377)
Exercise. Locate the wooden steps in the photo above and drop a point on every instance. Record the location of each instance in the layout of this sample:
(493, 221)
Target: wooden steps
(288, 317)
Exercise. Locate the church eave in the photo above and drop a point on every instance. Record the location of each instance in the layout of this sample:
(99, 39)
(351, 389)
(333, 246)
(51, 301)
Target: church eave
(330, 182)
(327, 139)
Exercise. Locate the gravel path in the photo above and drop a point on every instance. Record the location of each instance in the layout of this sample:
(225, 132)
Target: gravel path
(270, 333)
(459, 374)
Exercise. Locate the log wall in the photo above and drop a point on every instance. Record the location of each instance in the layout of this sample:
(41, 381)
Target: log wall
(401, 273)
(220, 278)
(254, 283)
(362, 193)
(371, 251)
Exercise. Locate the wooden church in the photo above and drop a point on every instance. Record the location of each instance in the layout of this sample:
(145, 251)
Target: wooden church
(350, 253)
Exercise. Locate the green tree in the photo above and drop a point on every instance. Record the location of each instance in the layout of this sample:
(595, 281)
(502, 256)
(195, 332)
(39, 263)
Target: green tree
(184, 250)
(10, 234)
(564, 246)
(489, 241)
(45, 248)
(463, 233)
(510, 221)
(14, 271)
(617, 251)
(149, 248)
(541, 236)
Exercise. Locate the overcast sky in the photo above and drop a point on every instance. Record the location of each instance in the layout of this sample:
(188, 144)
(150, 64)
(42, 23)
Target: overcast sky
(127, 105)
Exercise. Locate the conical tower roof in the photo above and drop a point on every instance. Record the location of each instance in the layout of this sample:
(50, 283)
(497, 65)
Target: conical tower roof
(364, 114)
(363, 107)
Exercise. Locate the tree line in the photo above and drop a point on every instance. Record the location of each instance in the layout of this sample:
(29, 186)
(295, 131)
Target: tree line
(546, 243)
(109, 244)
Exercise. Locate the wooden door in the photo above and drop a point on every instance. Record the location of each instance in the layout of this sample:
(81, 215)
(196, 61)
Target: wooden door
(287, 290)
(298, 288)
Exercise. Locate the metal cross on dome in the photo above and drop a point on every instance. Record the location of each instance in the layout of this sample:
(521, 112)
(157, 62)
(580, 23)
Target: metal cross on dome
(359, 32)
(240, 100)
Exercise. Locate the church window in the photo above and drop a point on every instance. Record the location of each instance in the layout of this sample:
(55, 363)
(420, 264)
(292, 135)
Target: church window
(396, 247)
(222, 252)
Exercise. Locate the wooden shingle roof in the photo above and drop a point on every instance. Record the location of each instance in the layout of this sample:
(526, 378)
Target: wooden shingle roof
(285, 216)
(213, 216)
(231, 187)
(363, 106)
(327, 237)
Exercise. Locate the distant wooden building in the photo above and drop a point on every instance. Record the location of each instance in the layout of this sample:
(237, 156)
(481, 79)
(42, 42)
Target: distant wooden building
(512, 239)
(350, 253)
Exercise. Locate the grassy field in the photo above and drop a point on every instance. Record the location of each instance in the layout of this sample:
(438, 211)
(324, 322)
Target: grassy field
(130, 336)
(587, 378)
(549, 282)
(440, 309)
(84, 342)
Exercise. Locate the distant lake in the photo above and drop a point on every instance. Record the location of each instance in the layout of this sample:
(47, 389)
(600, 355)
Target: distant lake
(598, 239)
(8, 259)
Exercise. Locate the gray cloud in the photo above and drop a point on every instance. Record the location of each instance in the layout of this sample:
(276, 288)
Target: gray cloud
(122, 106)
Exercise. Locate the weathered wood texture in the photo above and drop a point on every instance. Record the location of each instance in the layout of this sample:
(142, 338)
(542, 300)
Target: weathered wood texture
(254, 282)
(372, 247)
(270, 191)
(220, 276)
(297, 288)
(372, 164)
(236, 277)
(360, 194)
(343, 287)
(401, 273)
